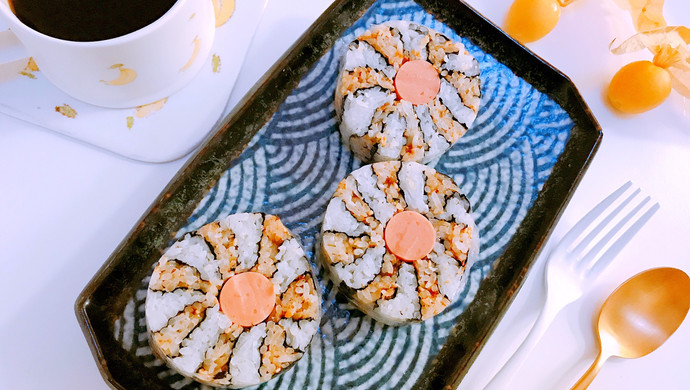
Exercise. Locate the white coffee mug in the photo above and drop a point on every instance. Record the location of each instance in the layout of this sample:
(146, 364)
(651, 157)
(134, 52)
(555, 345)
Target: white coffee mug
(130, 70)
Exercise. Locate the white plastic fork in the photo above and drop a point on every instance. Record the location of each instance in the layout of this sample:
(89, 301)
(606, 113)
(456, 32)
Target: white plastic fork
(574, 263)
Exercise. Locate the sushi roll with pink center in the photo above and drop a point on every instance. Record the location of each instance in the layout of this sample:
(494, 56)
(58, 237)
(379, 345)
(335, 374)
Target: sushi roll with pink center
(234, 303)
(405, 92)
(399, 270)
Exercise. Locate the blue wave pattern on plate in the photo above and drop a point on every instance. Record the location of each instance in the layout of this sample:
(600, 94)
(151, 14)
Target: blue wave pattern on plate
(292, 168)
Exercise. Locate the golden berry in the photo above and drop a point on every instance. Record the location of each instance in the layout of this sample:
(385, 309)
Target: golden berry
(530, 20)
(639, 87)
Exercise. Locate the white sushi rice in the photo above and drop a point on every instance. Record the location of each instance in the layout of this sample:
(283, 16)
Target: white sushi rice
(412, 39)
(405, 304)
(368, 188)
(436, 142)
(202, 338)
(359, 110)
(161, 306)
(464, 63)
(473, 253)
(339, 219)
(246, 358)
(194, 251)
(362, 271)
(451, 99)
(247, 228)
(456, 210)
(411, 180)
(290, 264)
(449, 273)
(361, 54)
(298, 334)
(393, 131)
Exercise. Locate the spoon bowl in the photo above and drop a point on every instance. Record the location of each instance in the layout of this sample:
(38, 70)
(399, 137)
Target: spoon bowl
(639, 316)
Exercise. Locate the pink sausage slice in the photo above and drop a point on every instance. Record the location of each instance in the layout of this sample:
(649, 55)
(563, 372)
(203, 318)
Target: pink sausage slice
(409, 235)
(417, 82)
(247, 298)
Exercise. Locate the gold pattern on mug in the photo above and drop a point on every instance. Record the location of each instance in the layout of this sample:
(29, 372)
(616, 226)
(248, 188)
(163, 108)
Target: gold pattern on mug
(195, 52)
(29, 69)
(145, 110)
(223, 10)
(126, 75)
(215, 63)
(66, 110)
(148, 109)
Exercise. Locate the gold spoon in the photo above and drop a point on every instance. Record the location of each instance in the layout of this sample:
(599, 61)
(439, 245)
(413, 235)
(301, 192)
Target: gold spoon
(639, 316)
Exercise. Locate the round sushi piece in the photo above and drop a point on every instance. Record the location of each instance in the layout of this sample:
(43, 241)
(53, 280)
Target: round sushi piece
(405, 92)
(398, 239)
(234, 303)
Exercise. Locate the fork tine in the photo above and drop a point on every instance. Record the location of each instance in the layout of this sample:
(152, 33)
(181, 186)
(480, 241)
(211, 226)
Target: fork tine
(586, 259)
(624, 238)
(580, 248)
(580, 227)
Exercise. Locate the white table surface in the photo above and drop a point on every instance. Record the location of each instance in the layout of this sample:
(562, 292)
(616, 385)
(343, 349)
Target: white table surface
(65, 206)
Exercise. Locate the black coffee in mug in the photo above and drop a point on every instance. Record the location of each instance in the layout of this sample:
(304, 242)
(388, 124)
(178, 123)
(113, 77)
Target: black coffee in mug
(88, 20)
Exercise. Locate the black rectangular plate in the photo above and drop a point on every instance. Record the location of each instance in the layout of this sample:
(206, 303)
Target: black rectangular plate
(120, 277)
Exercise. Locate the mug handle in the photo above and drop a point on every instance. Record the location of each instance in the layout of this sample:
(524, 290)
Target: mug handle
(14, 60)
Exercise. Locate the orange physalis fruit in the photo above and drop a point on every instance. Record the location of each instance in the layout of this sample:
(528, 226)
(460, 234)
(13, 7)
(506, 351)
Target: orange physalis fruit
(639, 87)
(530, 20)
(670, 47)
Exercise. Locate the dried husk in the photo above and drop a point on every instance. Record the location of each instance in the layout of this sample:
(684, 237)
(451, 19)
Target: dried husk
(670, 47)
(646, 14)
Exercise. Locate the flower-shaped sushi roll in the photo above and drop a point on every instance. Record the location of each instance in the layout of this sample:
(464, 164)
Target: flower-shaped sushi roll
(405, 92)
(398, 239)
(234, 303)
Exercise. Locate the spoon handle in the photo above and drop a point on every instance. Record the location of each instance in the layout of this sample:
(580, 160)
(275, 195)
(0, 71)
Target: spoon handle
(593, 370)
